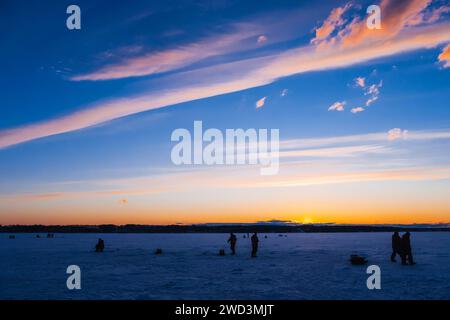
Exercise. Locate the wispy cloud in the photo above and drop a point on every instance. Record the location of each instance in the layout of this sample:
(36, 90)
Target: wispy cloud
(429, 16)
(260, 103)
(335, 151)
(176, 58)
(445, 56)
(261, 39)
(397, 133)
(396, 16)
(373, 91)
(377, 137)
(331, 23)
(337, 106)
(313, 161)
(237, 178)
(413, 174)
(357, 110)
(360, 82)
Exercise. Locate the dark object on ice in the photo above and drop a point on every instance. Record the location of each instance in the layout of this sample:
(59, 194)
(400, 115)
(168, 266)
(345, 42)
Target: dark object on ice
(232, 240)
(396, 246)
(100, 245)
(221, 252)
(158, 251)
(50, 235)
(406, 250)
(255, 241)
(357, 259)
(244, 236)
(280, 235)
(265, 237)
(12, 237)
(38, 236)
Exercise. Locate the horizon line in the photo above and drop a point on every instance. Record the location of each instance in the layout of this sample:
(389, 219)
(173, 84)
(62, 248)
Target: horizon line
(217, 224)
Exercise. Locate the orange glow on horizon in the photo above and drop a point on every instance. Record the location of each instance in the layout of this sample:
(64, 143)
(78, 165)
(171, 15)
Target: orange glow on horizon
(168, 218)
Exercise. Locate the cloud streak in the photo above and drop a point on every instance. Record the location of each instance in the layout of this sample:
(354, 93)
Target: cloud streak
(232, 178)
(176, 58)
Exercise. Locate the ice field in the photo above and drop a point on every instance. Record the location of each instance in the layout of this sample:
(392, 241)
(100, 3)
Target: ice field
(299, 266)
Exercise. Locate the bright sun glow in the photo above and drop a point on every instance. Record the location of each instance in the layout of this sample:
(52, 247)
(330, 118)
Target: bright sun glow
(307, 220)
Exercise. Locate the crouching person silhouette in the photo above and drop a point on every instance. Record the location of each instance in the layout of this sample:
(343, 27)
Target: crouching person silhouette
(255, 241)
(100, 245)
(232, 240)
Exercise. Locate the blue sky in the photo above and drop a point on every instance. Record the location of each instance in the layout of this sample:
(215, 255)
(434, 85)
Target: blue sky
(87, 114)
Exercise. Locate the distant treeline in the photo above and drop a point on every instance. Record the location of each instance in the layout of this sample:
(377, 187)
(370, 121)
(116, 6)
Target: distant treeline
(238, 228)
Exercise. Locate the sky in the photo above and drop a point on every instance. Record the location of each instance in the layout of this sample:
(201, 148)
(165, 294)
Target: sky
(87, 115)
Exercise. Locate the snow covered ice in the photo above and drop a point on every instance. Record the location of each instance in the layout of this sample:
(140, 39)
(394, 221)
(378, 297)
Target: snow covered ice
(299, 266)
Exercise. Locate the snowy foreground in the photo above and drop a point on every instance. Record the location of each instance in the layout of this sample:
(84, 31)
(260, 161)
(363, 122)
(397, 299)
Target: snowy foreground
(299, 266)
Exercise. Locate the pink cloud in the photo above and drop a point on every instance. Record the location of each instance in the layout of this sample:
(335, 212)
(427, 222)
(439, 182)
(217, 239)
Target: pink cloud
(397, 133)
(445, 56)
(357, 110)
(261, 39)
(330, 24)
(429, 16)
(260, 103)
(337, 106)
(396, 14)
(360, 82)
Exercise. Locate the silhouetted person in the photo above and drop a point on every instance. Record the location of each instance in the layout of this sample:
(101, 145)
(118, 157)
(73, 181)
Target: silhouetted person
(396, 246)
(100, 245)
(232, 240)
(255, 241)
(406, 249)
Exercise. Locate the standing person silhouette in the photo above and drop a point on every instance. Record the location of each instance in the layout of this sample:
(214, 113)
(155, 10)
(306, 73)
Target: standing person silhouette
(232, 240)
(406, 249)
(255, 241)
(396, 246)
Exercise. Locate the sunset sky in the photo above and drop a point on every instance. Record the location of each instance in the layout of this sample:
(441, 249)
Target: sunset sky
(87, 115)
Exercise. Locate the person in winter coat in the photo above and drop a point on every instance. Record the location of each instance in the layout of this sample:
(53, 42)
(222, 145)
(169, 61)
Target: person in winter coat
(406, 249)
(396, 246)
(255, 241)
(232, 240)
